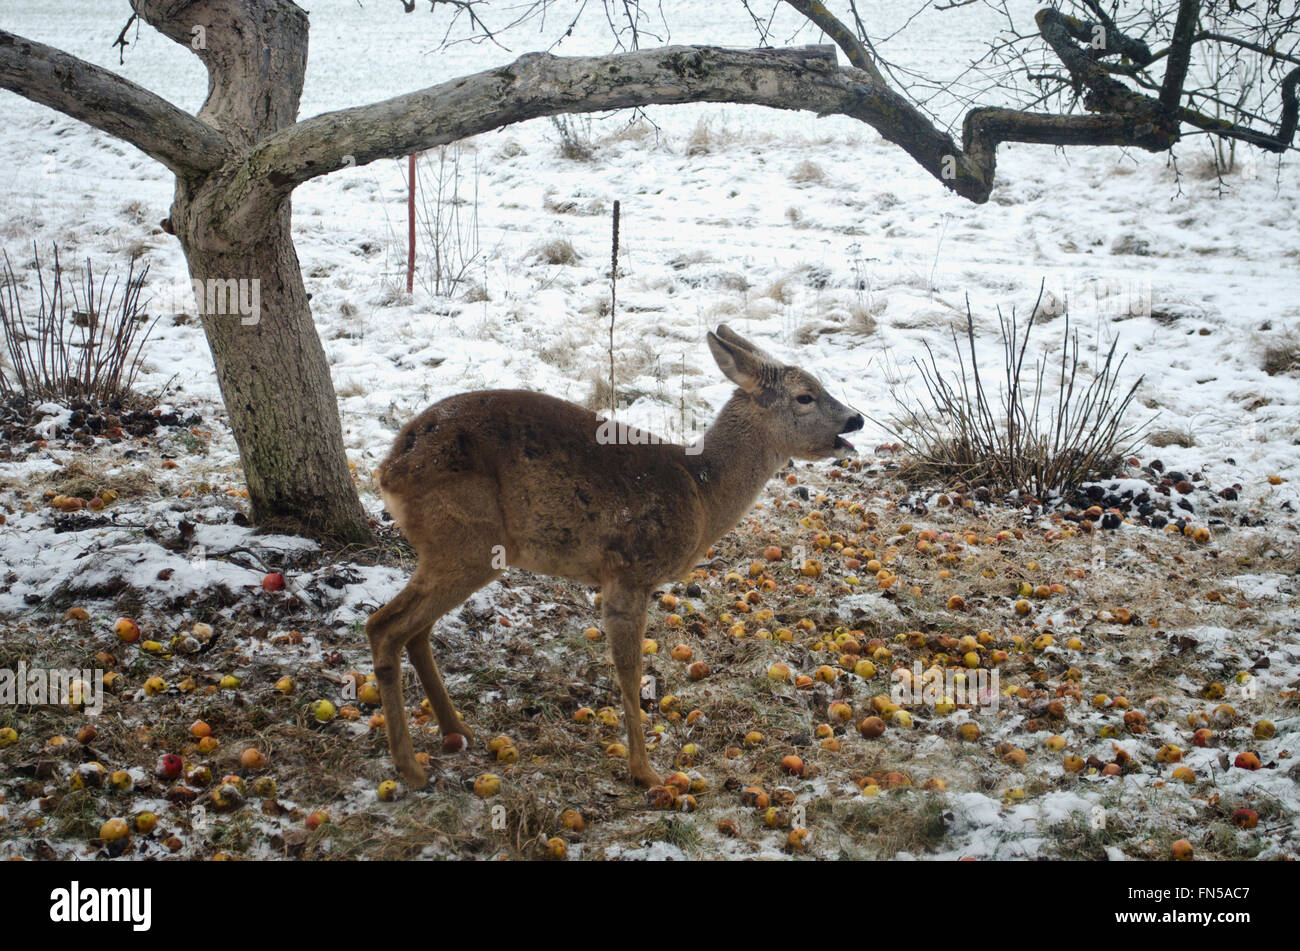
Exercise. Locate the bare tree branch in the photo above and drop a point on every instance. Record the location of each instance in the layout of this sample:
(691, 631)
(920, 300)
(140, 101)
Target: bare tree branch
(542, 85)
(804, 79)
(1246, 45)
(111, 104)
(844, 38)
(1180, 53)
(255, 70)
(1157, 119)
(1272, 142)
(1116, 42)
(120, 43)
(280, 153)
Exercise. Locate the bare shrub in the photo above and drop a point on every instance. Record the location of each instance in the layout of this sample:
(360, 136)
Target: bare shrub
(1030, 436)
(87, 349)
(448, 215)
(575, 137)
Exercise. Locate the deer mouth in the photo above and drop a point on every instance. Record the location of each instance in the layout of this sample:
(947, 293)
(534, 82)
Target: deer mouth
(843, 445)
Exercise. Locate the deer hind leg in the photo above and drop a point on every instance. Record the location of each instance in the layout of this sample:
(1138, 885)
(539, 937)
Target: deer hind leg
(420, 651)
(624, 616)
(405, 622)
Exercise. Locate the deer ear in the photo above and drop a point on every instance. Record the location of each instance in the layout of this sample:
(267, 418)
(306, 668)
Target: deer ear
(730, 336)
(738, 364)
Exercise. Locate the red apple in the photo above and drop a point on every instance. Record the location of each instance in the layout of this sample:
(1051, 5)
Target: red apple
(1245, 818)
(169, 766)
(273, 582)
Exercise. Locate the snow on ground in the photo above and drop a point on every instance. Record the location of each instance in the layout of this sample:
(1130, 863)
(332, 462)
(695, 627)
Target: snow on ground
(801, 231)
(814, 237)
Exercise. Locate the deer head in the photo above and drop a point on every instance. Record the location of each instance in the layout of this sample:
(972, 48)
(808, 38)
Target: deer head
(786, 406)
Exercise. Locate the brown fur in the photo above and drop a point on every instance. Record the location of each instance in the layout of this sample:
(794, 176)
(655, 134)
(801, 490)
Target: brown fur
(526, 472)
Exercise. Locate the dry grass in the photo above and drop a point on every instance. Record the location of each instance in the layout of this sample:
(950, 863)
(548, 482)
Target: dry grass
(476, 293)
(1161, 438)
(84, 478)
(913, 824)
(863, 317)
(557, 251)
(706, 138)
(629, 364)
(130, 247)
(807, 172)
(561, 353)
(574, 134)
(1282, 355)
(639, 131)
(783, 289)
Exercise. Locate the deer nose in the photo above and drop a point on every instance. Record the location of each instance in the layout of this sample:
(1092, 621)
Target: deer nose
(854, 423)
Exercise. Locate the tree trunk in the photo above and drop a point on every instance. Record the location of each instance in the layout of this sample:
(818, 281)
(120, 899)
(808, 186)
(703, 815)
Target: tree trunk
(276, 385)
(273, 374)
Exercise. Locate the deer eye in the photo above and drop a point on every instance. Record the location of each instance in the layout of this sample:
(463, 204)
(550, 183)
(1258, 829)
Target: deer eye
(805, 398)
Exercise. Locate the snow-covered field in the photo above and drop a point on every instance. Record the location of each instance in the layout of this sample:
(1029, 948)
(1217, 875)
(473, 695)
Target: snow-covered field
(731, 234)
(812, 236)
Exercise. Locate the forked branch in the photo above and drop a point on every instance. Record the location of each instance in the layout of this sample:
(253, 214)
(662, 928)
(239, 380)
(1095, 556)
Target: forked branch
(111, 104)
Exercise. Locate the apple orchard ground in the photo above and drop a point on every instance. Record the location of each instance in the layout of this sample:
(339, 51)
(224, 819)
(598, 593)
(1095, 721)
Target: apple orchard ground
(1205, 646)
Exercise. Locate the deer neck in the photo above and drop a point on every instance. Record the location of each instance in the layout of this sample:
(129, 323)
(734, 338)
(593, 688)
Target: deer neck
(734, 462)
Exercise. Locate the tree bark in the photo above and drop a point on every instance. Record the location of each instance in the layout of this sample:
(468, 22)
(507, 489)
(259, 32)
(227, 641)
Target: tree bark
(275, 382)
(273, 374)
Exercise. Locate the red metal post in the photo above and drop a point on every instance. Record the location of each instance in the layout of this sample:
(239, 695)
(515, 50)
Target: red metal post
(410, 223)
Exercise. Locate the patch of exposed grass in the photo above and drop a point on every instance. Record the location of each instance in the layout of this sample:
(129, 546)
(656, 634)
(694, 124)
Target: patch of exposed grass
(806, 172)
(908, 821)
(1170, 437)
(557, 251)
(574, 134)
(1282, 355)
(672, 830)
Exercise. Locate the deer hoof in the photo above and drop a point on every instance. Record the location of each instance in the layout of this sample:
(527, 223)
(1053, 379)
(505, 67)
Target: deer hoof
(646, 776)
(413, 776)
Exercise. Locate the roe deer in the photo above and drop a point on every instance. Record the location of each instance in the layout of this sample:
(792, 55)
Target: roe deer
(527, 472)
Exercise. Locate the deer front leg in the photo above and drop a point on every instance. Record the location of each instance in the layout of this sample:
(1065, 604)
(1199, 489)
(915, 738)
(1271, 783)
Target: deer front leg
(624, 616)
